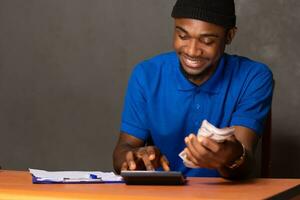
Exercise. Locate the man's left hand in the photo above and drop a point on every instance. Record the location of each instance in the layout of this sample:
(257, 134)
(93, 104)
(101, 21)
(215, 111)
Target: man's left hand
(206, 153)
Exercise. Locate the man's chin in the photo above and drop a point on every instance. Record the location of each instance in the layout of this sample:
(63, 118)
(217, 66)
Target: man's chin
(194, 72)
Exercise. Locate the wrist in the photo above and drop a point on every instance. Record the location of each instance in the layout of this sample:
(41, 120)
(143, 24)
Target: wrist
(239, 161)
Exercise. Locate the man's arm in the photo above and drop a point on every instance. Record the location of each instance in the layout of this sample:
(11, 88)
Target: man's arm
(131, 154)
(204, 152)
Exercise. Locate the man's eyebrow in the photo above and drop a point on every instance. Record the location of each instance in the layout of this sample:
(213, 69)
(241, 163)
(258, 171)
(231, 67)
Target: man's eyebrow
(200, 35)
(209, 35)
(181, 29)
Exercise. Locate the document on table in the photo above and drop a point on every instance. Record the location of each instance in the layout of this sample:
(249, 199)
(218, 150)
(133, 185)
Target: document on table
(43, 176)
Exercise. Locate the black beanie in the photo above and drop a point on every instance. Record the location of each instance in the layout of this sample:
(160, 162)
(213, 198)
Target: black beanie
(220, 12)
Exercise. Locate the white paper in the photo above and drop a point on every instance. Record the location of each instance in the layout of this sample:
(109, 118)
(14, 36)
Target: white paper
(75, 176)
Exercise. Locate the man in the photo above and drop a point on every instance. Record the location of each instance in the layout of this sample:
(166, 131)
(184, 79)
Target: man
(170, 95)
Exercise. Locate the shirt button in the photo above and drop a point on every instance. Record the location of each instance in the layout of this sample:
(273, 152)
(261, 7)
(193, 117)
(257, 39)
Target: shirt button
(198, 106)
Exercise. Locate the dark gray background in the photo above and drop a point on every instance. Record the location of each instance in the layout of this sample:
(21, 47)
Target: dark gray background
(64, 66)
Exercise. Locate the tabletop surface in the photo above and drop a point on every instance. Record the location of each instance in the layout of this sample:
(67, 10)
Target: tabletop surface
(18, 185)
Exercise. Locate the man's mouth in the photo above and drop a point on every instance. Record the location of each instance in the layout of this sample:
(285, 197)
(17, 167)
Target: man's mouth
(193, 62)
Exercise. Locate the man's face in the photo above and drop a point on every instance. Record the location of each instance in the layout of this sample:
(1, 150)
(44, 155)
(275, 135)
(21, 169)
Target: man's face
(199, 46)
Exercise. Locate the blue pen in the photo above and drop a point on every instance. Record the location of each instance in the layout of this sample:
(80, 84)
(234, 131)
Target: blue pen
(93, 176)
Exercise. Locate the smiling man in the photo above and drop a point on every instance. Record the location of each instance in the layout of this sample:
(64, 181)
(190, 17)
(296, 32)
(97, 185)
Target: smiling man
(169, 96)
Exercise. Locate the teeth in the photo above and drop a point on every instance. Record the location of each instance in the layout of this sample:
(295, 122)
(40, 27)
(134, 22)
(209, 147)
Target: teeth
(193, 63)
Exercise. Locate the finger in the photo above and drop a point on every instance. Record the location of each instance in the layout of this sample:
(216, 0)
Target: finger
(130, 160)
(190, 157)
(124, 166)
(193, 146)
(151, 152)
(200, 138)
(164, 163)
(147, 162)
(198, 154)
(211, 145)
(212, 149)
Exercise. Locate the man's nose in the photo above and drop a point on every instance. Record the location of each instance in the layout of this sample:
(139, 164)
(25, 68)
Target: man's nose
(194, 49)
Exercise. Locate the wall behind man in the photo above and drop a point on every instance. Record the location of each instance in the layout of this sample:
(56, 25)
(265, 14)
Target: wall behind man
(64, 66)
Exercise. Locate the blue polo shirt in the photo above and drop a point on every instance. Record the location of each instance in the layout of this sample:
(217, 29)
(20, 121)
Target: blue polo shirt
(162, 104)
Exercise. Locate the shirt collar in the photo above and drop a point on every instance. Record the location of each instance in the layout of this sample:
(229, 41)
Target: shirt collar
(212, 85)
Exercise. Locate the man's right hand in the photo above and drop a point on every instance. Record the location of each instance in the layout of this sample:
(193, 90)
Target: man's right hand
(148, 157)
(131, 154)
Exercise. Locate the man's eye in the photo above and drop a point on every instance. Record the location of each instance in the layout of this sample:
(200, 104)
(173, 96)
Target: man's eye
(208, 41)
(183, 37)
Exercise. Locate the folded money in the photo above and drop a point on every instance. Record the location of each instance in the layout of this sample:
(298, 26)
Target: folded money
(210, 131)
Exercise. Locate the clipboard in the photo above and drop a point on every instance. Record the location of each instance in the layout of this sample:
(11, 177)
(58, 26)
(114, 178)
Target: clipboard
(153, 177)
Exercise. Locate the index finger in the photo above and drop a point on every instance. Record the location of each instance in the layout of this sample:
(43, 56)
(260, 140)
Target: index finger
(151, 152)
(147, 162)
(164, 163)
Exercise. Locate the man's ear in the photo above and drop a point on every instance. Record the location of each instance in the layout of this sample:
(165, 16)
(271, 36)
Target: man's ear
(230, 35)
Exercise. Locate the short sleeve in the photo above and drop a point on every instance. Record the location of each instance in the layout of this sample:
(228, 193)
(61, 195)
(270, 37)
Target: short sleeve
(255, 101)
(134, 112)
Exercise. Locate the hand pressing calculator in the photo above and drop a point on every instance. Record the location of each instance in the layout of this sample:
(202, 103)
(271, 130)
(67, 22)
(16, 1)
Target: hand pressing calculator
(153, 177)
